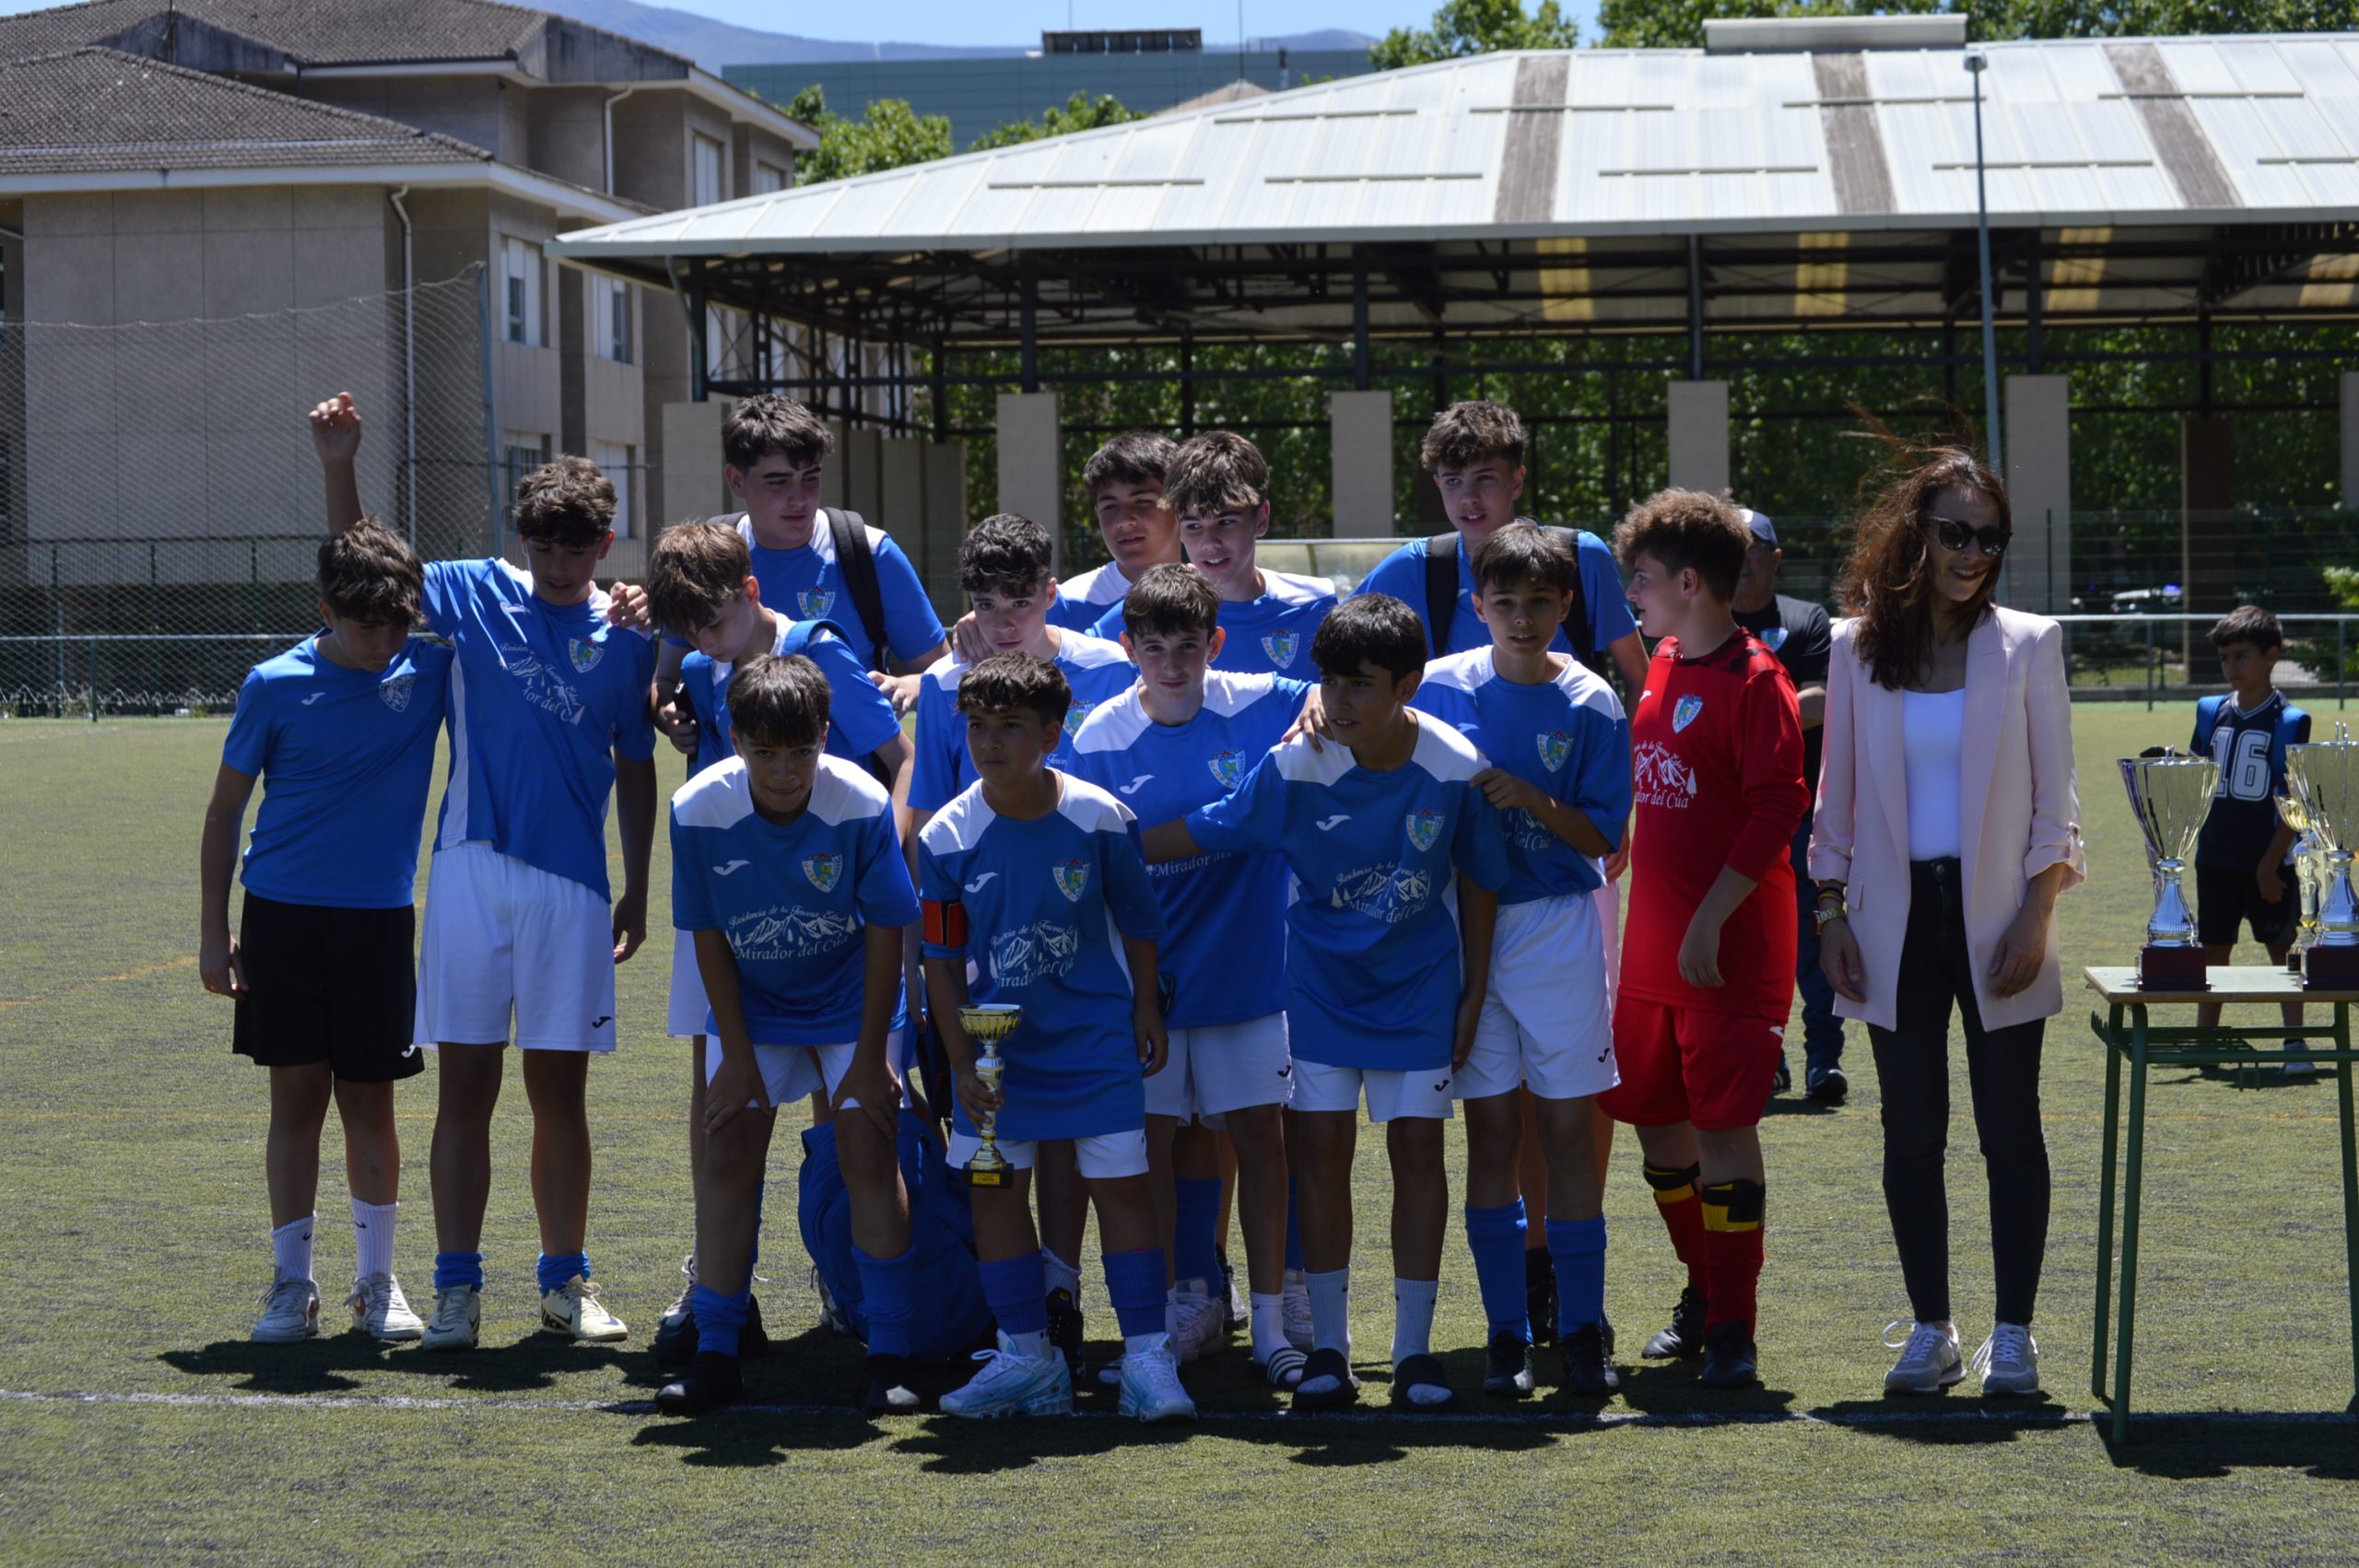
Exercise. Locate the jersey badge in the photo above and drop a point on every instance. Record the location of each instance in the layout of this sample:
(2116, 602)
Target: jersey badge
(1281, 647)
(1228, 767)
(394, 694)
(1772, 639)
(1425, 828)
(823, 870)
(1075, 715)
(815, 604)
(585, 652)
(1554, 747)
(1683, 712)
(1072, 878)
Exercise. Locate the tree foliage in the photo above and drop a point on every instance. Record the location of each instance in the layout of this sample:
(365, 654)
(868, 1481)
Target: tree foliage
(1475, 26)
(889, 135)
(1080, 112)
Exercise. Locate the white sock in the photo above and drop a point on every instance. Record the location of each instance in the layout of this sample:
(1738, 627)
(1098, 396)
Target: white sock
(1331, 1310)
(373, 1233)
(1062, 1276)
(1269, 1324)
(1031, 1347)
(1413, 1318)
(292, 1243)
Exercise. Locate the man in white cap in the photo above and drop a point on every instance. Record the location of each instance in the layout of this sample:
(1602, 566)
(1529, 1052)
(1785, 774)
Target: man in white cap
(1798, 633)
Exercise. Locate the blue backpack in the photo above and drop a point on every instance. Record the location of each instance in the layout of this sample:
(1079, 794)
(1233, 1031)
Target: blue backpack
(951, 1316)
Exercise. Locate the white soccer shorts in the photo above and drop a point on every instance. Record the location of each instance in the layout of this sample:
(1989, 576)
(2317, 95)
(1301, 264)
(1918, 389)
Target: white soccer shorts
(789, 1073)
(1218, 1067)
(1608, 899)
(1546, 1022)
(684, 1017)
(1321, 1087)
(1109, 1157)
(504, 938)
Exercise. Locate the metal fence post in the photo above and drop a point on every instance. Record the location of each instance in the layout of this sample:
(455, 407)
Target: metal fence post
(94, 678)
(490, 410)
(57, 605)
(2150, 663)
(2342, 626)
(253, 585)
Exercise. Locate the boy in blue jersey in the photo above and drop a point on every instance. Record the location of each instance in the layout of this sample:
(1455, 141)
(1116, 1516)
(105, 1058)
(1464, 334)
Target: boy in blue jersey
(1123, 480)
(788, 875)
(1182, 738)
(774, 451)
(1560, 775)
(549, 717)
(1218, 486)
(1398, 860)
(1035, 895)
(700, 586)
(2242, 855)
(340, 729)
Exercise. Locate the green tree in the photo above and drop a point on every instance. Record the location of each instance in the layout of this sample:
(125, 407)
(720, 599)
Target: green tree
(1080, 112)
(1475, 26)
(891, 135)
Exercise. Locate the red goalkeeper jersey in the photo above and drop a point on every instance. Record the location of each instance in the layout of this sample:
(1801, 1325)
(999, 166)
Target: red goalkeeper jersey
(1716, 752)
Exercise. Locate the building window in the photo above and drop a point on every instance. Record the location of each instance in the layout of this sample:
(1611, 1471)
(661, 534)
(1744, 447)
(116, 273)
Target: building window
(767, 177)
(520, 270)
(610, 306)
(614, 460)
(521, 452)
(705, 187)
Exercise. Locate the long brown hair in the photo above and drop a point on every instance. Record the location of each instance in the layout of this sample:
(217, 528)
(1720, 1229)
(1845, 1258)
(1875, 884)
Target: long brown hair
(1886, 583)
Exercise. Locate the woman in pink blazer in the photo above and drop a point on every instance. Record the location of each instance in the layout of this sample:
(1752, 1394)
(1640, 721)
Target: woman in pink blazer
(1948, 822)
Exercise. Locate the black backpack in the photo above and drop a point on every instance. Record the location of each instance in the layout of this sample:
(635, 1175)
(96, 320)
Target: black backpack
(1442, 598)
(849, 533)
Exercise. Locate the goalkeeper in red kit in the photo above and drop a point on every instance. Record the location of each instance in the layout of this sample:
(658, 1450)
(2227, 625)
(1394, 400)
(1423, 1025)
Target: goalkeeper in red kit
(1707, 956)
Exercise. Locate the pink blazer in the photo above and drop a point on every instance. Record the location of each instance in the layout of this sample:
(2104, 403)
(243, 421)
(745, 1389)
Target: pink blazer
(2018, 805)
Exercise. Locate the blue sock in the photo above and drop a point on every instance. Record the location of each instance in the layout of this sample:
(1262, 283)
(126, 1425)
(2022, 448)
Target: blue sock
(1135, 1281)
(1294, 1232)
(1018, 1290)
(458, 1269)
(885, 1289)
(554, 1271)
(719, 1318)
(1495, 1238)
(1579, 1248)
(1195, 1238)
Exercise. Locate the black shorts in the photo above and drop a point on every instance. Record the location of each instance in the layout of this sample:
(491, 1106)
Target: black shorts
(2226, 899)
(323, 983)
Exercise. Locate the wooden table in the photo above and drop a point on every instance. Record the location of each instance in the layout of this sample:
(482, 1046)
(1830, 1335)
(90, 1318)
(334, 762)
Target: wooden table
(2127, 1038)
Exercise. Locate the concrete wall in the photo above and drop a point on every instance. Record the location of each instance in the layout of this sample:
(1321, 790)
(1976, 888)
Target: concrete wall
(566, 130)
(1700, 435)
(1031, 466)
(2039, 488)
(2351, 439)
(11, 382)
(473, 108)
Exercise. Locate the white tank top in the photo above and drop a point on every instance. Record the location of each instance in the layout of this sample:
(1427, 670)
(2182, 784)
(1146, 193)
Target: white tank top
(1932, 729)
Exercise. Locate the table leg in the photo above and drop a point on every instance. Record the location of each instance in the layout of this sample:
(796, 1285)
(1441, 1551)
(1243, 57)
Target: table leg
(2349, 1188)
(2112, 1048)
(2134, 1175)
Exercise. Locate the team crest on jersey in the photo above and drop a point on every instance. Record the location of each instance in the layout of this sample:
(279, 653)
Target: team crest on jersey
(584, 653)
(1425, 828)
(1229, 768)
(394, 694)
(815, 604)
(1281, 647)
(1683, 712)
(1075, 715)
(1554, 747)
(1772, 639)
(823, 870)
(1072, 877)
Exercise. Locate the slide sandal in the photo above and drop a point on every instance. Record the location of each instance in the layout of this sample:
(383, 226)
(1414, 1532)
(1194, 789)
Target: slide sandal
(1343, 1391)
(1422, 1372)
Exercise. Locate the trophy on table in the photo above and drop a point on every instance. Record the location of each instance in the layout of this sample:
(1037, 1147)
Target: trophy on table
(2170, 795)
(2309, 875)
(989, 1024)
(2324, 778)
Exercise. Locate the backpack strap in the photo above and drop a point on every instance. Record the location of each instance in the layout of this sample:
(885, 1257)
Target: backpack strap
(1577, 630)
(1441, 589)
(800, 634)
(2207, 719)
(858, 563)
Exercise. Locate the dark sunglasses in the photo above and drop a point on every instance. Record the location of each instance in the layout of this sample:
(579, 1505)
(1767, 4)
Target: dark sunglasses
(1956, 536)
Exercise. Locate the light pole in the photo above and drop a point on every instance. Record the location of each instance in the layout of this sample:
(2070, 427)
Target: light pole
(1976, 65)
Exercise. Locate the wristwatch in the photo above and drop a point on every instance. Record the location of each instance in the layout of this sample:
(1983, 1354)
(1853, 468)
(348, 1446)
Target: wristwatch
(1831, 907)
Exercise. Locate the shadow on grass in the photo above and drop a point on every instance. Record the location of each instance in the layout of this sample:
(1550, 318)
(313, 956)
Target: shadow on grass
(1800, 1105)
(1668, 1388)
(317, 1366)
(1943, 1420)
(2211, 1446)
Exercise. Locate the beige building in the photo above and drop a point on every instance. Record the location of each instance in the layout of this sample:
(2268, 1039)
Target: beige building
(210, 212)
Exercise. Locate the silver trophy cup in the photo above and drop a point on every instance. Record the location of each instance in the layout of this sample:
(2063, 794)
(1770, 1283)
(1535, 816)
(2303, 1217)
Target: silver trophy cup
(2324, 779)
(2170, 796)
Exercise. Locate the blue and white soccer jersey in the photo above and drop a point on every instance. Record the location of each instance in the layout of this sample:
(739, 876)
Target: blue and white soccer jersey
(1095, 669)
(1224, 944)
(1402, 575)
(809, 585)
(1269, 634)
(1082, 599)
(1373, 969)
(542, 698)
(795, 901)
(1548, 1016)
(1038, 912)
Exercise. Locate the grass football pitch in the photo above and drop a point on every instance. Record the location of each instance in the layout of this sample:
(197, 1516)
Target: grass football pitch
(137, 1423)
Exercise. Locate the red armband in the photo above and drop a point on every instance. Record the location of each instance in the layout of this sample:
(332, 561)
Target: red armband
(945, 924)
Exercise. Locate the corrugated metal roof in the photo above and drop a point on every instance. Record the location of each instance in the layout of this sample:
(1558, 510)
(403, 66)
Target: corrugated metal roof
(2166, 132)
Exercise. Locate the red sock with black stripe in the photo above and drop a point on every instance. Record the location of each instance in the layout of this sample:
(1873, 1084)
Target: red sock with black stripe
(1675, 1200)
(1733, 1214)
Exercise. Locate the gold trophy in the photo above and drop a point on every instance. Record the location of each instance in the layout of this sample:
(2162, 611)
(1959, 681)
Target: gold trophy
(2324, 779)
(988, 1024)
(2309, 875)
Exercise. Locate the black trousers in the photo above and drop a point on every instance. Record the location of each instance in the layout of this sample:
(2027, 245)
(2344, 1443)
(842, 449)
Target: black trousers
(1913, 1070)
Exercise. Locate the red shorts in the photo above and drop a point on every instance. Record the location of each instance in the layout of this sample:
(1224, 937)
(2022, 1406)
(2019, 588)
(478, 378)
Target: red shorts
(1712, 1070)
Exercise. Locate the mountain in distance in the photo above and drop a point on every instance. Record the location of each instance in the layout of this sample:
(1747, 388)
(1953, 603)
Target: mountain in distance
(712, 43)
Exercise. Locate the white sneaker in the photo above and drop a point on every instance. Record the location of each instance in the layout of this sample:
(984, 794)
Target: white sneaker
(1930, 1359)
(1151, 1390)
(574, 1308)
(678, 1311)
(1014, 1384)
(2009, 1361)
(380, 1309)
(1195, 1320)
(1294, 1311)
(291, 1312)
(458, 1315)
(2298, 1063)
